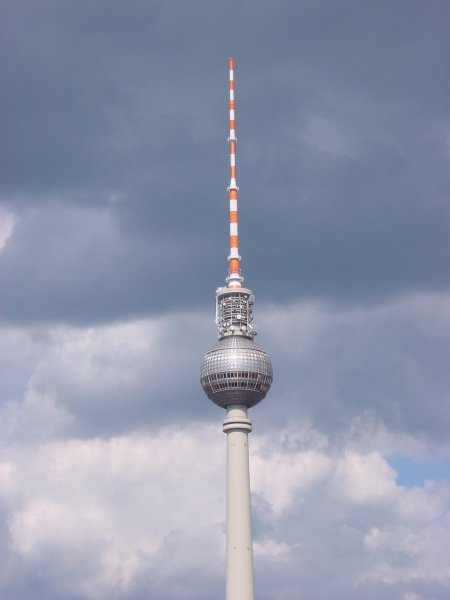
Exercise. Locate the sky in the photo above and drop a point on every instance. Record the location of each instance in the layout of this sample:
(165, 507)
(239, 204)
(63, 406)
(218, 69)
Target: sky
(113, 240)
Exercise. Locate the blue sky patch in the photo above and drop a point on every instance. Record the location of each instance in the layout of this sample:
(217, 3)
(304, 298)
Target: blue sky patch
(411, 472)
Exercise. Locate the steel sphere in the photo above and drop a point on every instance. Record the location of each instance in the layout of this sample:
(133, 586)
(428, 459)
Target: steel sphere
(236, 371)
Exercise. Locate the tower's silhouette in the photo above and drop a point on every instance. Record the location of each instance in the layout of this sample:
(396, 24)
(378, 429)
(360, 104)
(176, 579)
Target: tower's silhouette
(236, 374)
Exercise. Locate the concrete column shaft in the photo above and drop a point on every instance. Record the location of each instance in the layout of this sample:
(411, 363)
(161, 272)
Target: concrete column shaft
(239, 579)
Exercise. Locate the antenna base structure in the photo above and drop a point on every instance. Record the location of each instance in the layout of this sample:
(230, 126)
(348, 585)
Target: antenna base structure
(234, 280)
(236, 370)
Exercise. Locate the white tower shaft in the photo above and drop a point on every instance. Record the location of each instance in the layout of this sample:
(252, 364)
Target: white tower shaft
(239, 579)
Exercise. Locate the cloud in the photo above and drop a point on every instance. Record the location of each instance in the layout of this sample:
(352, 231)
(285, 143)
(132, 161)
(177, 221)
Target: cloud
(113, 237)
(77, 264)
(134, 513)
(104, 380)
(380, 368)
(342, 362)
(109, 514)
(6, 226)
(92, 489)
(342, 160)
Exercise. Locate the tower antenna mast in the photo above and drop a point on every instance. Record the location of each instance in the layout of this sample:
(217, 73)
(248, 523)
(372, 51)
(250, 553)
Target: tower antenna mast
(234, 278)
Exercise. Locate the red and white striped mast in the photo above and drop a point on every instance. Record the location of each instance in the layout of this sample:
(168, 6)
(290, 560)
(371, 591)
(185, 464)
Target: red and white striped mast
(234, 278)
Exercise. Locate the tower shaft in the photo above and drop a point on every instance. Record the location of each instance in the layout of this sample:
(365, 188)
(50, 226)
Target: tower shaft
(239, 577)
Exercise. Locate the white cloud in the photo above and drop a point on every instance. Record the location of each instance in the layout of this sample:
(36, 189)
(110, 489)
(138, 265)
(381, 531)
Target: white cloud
(6, 226)
(413, 545)
(272, 549)
(114, 514)
(137, 505)
(125, 503)
(279, 476)
(364, 478)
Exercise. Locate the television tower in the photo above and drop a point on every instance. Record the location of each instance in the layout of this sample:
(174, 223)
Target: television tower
(236, 374)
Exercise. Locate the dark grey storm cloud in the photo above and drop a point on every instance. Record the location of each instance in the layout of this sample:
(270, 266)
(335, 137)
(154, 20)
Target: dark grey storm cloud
(342, 157)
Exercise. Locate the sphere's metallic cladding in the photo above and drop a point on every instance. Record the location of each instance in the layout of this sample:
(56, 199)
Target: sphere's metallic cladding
(236, 371)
